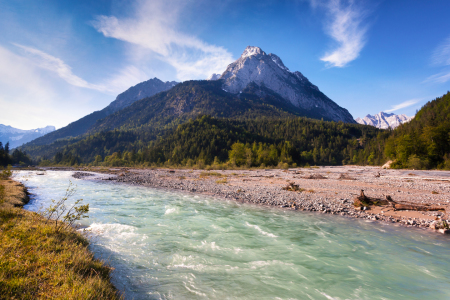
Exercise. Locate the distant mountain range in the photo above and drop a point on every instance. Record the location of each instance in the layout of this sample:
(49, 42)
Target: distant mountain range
(17, 137)
(384, 120)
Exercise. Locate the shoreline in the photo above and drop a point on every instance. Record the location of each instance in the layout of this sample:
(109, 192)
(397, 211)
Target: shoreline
(327, 190)
(66, 268)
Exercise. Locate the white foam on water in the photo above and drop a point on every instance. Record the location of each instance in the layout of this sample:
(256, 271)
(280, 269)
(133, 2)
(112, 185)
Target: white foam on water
(311, 257)
(353, 269)
(171, 210)
(263, 263)
(426, 271)
(211, 245)
(114, 231)
(192, 290)
(180, 261)
(237, 250)
(327, 296)
(260, 230)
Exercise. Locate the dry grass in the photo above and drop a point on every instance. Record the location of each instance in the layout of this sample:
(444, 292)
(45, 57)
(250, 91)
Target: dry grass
(14, 195)
(208, 174)
(293, 187)
(222, 181)
(36, 262)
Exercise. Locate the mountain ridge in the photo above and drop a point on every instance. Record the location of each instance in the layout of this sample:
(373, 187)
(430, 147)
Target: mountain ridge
(17, 137)
(256, 66)
(124, 99)
(384, 120)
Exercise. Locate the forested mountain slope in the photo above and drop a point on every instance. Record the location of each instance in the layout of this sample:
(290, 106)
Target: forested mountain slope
(208, 140)
(425, 141)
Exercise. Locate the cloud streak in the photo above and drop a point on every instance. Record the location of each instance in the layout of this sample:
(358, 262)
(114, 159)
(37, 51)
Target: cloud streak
(404, 104)
(57, 66)
(29, 98)
(153, 27)
(346, 27)
(441, 57)
(126, 77)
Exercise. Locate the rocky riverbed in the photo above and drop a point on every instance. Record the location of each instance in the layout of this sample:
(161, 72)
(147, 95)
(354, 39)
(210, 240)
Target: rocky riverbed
(327, 190)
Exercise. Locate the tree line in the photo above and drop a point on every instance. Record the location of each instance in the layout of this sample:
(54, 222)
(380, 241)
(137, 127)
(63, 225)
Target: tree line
(207, 141)
(16, 157)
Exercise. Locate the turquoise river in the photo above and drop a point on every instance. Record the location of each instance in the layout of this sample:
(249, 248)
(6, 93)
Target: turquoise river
(171, 245)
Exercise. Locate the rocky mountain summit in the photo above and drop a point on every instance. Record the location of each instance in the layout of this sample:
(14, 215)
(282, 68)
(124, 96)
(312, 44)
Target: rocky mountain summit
(268, 71)
(17, 137)
(140, 91)
(384, 120)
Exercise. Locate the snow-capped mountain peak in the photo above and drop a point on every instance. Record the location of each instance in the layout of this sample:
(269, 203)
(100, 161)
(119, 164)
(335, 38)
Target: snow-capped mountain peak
(16, 137)
(268, 70)
(384, 120)
(252, 51)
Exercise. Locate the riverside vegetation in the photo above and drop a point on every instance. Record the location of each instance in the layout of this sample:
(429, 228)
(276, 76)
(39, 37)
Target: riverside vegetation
(39, 260)
(17, 157)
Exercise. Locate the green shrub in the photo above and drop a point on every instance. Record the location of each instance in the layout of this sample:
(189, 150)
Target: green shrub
(6, 173)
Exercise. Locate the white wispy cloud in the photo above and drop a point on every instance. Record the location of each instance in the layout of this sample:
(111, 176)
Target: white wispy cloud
(345, 26)
(441, 57)
(29, 98)
(404, 104)
(127, 76)
(439, 78)
(154, 27)
(56, 65)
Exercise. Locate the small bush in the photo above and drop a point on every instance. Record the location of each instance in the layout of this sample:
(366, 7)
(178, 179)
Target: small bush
(6, 173)
(416, 163)
(63, 216)
(293, 187)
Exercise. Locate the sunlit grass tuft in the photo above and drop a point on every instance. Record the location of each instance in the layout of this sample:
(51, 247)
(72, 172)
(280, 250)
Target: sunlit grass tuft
(38, 262)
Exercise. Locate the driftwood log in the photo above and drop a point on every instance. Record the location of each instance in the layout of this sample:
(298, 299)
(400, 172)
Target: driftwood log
(363, 200)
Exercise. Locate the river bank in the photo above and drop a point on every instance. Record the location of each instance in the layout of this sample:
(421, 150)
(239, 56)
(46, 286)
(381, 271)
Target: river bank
(327, 190)
(37, 262)
(168, 243)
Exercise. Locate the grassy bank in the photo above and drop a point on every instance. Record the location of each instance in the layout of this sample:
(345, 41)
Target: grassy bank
(36, 262)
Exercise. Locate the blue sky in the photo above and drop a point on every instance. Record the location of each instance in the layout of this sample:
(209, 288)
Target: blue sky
(61, 60)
